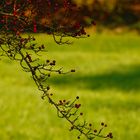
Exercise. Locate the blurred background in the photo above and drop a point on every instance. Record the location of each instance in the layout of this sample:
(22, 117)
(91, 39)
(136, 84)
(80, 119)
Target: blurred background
(110, 14)
(107, 78)
(113, 13)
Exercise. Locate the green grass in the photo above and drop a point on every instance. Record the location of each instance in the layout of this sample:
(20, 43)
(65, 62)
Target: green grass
(107, 81)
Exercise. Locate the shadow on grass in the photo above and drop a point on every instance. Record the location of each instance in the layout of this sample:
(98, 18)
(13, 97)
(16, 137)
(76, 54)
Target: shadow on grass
(125, 80)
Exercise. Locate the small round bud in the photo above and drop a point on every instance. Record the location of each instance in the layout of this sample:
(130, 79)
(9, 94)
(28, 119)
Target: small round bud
(47, 61)
(77, 105)
(72, 70)
(78, 137)
(110, 135)
(54, 61)
(90, 124)
(72, 128)
(81, 113)
(60, 102)
(42, 97)
(42, 46)
(102, 124)
(77, 97)
(107, 135)
(52, 64)
(59, 72)
(8, 51)
(95, 131)
(48, 88)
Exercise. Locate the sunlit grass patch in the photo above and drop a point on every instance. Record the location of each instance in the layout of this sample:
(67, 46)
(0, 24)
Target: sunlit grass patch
(107, 79)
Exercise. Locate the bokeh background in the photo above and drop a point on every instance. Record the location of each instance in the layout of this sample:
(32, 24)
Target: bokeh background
(107, 78)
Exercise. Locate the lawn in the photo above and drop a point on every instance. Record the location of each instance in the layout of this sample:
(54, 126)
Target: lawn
(107, 79)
